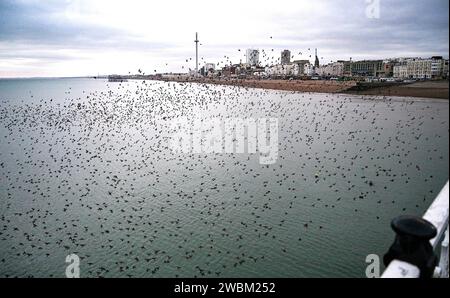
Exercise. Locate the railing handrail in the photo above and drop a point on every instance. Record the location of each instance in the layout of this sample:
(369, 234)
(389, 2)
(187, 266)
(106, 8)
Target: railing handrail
(438, 215)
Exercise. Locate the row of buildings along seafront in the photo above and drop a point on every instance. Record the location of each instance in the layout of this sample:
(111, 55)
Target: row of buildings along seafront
(417, 68)
(399, 68)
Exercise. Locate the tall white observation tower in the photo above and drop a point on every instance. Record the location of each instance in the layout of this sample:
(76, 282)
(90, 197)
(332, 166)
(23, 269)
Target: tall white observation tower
(196, 53)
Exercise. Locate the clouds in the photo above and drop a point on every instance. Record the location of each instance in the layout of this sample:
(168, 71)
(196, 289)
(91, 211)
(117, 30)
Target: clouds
(43, 24)
(404, 28)
(89, 37)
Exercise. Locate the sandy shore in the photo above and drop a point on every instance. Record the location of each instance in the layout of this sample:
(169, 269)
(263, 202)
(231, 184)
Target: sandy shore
(429, 89)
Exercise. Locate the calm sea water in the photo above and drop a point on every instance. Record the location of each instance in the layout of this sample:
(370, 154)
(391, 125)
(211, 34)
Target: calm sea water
(86, 169)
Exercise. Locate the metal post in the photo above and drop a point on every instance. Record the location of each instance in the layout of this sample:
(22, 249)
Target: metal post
(411, 255)
(412, 244)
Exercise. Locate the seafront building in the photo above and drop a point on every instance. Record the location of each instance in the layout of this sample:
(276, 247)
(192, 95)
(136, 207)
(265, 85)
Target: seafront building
(295, 68)
(291, 69)
(252, 57)
(388, 68)
(401, 70)
(445, 69)
(418, 68)
(301, 65)
(308, 69)
(208, 69)
(285, 57)
(364, 68)
(335, 69)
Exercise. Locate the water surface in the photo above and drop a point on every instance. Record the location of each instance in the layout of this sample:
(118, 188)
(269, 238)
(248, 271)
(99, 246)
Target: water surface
(85, 168)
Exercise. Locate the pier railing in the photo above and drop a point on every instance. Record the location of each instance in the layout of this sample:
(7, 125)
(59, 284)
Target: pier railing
(418, 241)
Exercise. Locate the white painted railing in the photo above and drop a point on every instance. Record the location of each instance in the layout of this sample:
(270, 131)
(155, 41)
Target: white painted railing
(437, 214)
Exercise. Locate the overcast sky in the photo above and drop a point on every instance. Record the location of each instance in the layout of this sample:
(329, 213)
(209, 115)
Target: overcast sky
(90, 37)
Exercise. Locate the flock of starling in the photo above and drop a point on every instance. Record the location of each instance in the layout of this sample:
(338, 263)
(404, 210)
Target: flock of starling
(93, 174)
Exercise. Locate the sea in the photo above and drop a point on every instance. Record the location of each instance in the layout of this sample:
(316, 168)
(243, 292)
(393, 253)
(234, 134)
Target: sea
(86, 169)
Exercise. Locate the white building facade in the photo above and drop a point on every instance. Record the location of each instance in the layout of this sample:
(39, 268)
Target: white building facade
(335, 69)
(308, 69)
(417, 68)
(252, 56)
(400, 71)
(292, 69)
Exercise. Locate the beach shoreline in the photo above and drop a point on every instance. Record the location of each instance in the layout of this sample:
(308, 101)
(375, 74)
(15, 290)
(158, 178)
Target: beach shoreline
(423, 89)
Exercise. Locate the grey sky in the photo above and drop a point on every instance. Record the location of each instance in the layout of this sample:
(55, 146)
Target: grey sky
(68, 38)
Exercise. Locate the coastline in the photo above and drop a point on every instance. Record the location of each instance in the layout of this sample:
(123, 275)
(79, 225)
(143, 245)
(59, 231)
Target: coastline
(423, 89)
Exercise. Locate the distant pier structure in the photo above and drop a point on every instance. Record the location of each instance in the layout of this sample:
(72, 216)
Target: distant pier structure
(116, 78)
